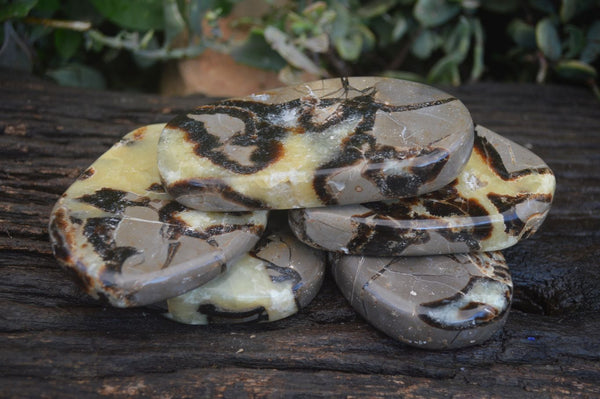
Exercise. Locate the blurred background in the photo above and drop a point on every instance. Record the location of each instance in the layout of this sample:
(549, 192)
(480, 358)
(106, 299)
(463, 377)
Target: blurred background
(235, 47)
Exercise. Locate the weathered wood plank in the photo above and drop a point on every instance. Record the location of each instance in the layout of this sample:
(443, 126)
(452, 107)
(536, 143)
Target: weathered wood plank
(522, 382)
(57, 342)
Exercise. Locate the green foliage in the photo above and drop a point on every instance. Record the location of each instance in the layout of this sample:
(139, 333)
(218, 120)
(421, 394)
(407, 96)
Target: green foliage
(523, 34)
(562, 38)
(258, 53)
(547, 40)
(591, 50)
(67, 42)
(134, 14)
(444, 41)
(432, 13)
(436, 41)
(85, 42)
(15, 9)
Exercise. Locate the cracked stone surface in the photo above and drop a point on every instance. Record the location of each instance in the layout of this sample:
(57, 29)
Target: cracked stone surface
(328, 142)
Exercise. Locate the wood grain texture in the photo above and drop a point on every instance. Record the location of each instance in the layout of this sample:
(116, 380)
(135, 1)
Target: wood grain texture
(57, 342)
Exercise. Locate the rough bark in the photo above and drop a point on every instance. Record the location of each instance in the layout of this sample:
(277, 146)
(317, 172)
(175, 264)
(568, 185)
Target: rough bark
(57, 342)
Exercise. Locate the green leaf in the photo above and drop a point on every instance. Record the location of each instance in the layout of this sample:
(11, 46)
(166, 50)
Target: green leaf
(369, 38)
(133, 14)
(16, 9)
(349, 47)
(38, 32)
(375, 8)
(341, 23)
(576, 70)
(432, 13)
(382, 28)
(174, 22)
(315, 10)
(574, 42)
(459, 40)
(77, 75)
(222, 7)
(298, 24)
(546, 37)
(257, 53)
(592, 48)
(316, 44)
(281, 43)
(348, 34)
(478, 49)
(445, 71)
(522, 34)
(389, 29)
(67, 42)
(400, 28)
(425, 44)
(568, 8)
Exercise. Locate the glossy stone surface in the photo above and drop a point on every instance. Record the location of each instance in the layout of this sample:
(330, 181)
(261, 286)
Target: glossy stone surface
(432, 302)
(501, 196)
(274, 280)
(327, 142)
(126, 240)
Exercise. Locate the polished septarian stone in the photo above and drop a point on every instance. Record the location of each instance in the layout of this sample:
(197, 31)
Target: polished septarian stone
(432, 302)
(501, 196)
(129, 242)
(274, 280)
(329, 142)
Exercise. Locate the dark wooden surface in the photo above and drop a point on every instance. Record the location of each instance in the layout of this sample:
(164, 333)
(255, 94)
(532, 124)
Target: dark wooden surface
(56, 342)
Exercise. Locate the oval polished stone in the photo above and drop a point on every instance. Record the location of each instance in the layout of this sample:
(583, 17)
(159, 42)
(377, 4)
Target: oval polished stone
(128, 241)
(334, 141)
(432, 302)
(502, 195)
(274, 280)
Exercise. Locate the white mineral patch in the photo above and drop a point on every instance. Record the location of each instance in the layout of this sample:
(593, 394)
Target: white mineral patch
(260, 97)
(472, 181)
(490, 294)
(289, 118)
(202, 220)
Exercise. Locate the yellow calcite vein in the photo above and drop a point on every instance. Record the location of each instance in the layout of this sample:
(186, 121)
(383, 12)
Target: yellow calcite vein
(476, 181)
(245, 286)
(131, 168)
(287, 183)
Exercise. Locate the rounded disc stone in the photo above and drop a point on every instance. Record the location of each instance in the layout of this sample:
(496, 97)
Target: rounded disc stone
(128, 241)
(432, 302)
(272, 281)
(329, 142)
(501, 196)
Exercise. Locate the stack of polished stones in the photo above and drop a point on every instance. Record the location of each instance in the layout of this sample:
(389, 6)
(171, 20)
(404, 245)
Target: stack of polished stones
(231, 211)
